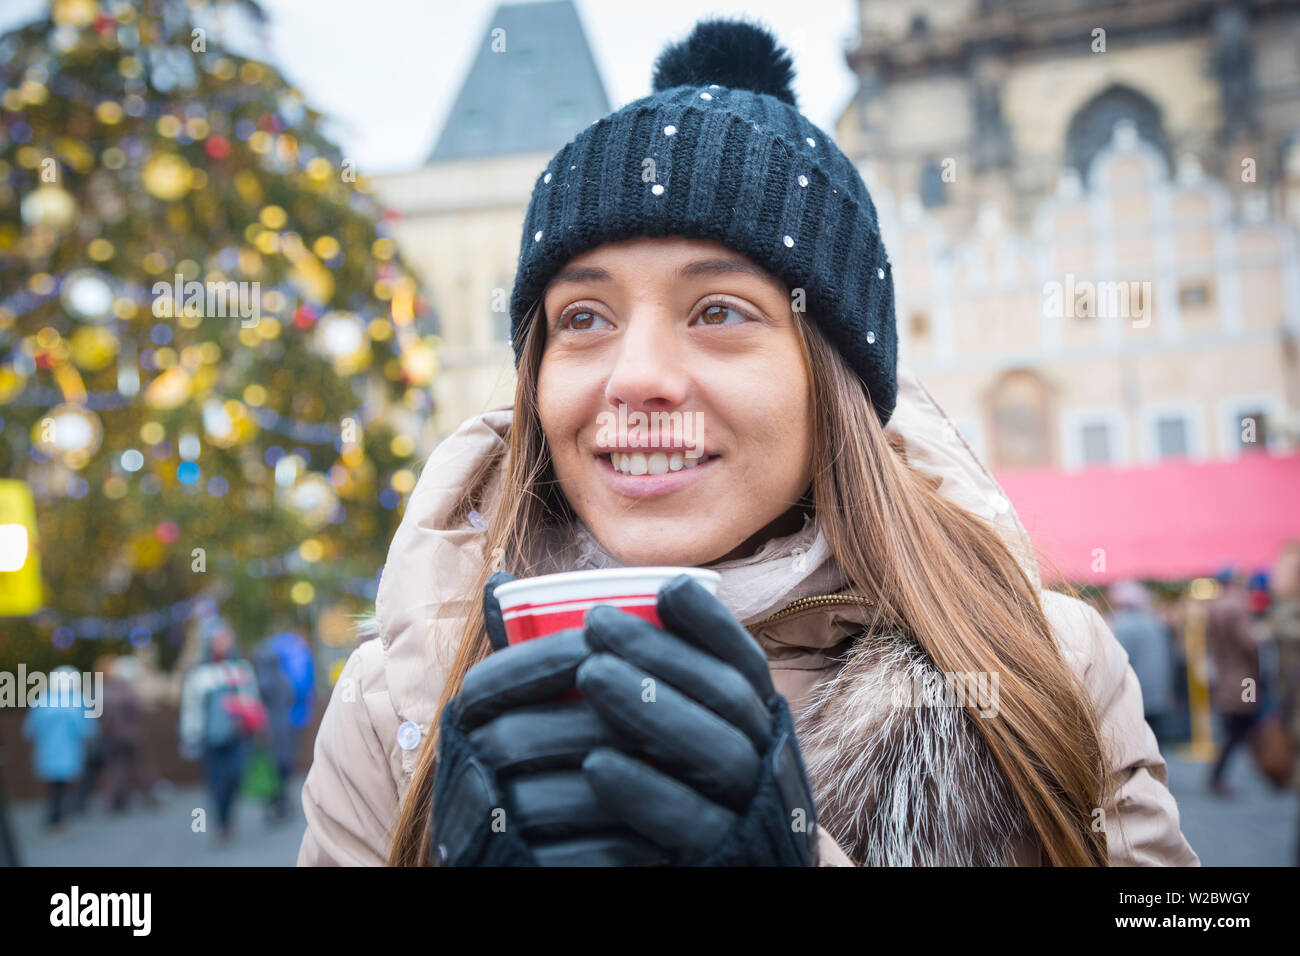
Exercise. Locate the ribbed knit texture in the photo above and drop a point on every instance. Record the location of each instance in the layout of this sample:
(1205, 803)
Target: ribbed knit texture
(743, 169)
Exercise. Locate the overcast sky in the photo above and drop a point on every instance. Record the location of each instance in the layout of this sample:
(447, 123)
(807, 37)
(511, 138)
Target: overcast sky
(386, 71)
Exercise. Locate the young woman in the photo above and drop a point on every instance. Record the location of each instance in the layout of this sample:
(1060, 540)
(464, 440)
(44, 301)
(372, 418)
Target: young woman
(881, 679)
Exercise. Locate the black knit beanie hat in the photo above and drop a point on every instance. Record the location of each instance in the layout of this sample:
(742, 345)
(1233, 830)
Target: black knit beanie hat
(719, 151)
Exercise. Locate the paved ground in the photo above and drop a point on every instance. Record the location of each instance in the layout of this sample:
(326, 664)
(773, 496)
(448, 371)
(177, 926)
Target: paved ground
(1256, 829)
(162, 837)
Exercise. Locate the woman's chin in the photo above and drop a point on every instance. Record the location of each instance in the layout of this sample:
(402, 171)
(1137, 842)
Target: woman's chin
(635, 551)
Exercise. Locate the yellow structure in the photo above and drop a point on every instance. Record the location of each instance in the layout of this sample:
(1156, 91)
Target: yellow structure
(20, 558)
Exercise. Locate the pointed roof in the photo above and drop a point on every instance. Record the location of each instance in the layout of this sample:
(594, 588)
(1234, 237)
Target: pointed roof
(534, 94)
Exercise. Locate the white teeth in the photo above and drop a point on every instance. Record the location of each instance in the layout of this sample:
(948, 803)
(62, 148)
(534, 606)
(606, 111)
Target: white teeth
(658, 463)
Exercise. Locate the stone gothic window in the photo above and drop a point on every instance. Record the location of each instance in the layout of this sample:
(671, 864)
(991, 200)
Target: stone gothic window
(1091, 127)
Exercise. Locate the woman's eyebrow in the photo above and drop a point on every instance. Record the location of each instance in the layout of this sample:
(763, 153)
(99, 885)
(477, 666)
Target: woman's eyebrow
(691, 270)
(579, 274)
(717, 267)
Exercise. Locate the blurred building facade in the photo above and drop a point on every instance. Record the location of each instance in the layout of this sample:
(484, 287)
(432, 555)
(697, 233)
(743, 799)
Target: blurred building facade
(1092, 211)
(532, 85)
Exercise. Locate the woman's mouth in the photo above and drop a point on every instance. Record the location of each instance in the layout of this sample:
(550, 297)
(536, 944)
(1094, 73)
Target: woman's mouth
(641, 475)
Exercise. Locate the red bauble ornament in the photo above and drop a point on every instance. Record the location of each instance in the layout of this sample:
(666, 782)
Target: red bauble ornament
(218, 147)
(304, 317)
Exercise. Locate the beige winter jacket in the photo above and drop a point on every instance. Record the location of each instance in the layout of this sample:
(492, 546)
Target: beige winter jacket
(887, 799)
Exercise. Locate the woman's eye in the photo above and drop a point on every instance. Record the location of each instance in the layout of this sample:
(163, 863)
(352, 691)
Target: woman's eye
(581, 321)
(717, 315)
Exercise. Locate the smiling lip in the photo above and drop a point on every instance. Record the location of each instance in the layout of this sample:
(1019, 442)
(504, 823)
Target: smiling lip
(651, 486)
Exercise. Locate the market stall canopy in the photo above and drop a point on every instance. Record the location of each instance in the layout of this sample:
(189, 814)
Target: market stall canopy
(1169, 521)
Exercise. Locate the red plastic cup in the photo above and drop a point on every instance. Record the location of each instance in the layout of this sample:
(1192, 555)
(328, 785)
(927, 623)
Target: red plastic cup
(538, 606)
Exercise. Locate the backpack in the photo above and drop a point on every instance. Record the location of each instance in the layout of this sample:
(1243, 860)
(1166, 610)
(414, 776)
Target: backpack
(220, 726)
(231, 713)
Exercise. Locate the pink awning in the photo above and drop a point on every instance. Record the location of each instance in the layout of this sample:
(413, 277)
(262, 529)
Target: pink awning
(1174, 520)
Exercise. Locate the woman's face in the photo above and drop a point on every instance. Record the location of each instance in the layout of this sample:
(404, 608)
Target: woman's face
(222, 644)
(675, 400)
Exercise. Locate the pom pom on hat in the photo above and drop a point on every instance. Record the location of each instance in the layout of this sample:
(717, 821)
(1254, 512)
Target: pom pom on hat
(729, 53)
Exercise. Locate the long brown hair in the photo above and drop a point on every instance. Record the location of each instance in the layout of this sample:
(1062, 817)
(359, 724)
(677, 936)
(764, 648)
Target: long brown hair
(935, 571)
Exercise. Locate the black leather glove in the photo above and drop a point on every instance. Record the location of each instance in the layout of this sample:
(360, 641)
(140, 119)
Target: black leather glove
(509, 789)
(710, 769)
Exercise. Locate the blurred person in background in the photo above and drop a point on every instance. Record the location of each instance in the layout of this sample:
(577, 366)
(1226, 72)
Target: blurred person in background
(60, 729)
(1258, 598)
(297, 660)
(1170, 608)
(1233, 649)
(220, 713)
(286, 680)
(1146, 639)
(129, 772)
(1284, 626)
(95, 758)
(118, 749)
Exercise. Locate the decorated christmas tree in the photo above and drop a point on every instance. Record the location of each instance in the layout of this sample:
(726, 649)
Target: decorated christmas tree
(213, 381)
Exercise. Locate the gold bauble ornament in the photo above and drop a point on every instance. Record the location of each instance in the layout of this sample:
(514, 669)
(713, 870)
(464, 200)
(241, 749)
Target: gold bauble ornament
(419, 363)
(169, 390)
(87, 294)
(166, 176)
(309, 277)
(147, 552)
(93, 347)
(74, 13)
(69, 431)
(342, 337)
(50, 206)
(227, 423)
(11, 383)
(314, 498)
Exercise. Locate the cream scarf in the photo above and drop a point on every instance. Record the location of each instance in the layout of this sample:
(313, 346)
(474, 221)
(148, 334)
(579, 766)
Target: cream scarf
(783, 570)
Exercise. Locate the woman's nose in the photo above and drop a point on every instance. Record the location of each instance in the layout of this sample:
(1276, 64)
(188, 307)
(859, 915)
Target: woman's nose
(649, 367)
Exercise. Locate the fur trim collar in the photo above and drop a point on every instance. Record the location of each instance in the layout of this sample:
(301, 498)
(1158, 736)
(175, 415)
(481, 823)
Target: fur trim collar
(903, 785)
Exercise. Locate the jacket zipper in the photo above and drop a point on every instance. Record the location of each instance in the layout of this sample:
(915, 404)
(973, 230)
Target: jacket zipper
(814, 600)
